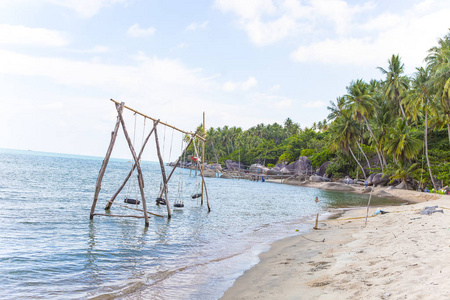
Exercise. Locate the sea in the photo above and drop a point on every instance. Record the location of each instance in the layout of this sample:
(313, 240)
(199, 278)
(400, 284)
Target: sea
(50, 249)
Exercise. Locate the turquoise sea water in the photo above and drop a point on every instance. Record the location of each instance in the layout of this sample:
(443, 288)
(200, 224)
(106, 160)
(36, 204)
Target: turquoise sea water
(50, 249)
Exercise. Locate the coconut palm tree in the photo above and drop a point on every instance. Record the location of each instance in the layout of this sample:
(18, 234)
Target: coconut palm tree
(360, 101)
(395, 84)
(403, 143)
(418, 102)
(343, 132)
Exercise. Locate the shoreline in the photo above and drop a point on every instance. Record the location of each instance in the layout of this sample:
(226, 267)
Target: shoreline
(398, 255)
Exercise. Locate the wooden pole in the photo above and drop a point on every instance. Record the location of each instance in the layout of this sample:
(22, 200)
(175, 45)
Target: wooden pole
(176, 163)
(110, 202)
(98, 185)
(203, 179)
(145, 116)
(138, 167)
(203, 154)
(163, 173)
(368, 205)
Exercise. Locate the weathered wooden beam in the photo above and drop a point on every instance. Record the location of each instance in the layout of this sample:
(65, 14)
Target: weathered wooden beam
(165, 124)
(120, 216)
(203, 153)
(163, 173)
(138, 209)
(203, 180)
(176, 163)
(138, 167)
(110, 202)
(98, 185)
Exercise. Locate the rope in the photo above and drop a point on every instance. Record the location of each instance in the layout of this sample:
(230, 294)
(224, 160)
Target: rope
(171, 142)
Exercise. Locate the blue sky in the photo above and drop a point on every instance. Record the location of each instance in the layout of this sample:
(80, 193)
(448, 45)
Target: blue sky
(242, 62)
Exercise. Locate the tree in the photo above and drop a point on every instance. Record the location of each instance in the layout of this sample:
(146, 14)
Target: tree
(418, 101)
(361, 102)
(395, 84)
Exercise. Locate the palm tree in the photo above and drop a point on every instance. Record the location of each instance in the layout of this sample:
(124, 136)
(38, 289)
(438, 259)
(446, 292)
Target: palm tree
(343, 131)
(360, 101)
(418, 101)
(403, 142)
(395, 84)
(439, 63)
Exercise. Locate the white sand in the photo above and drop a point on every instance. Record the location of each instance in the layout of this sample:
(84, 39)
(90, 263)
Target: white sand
(399, 255)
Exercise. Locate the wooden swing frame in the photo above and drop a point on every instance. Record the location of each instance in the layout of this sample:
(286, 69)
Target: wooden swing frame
(136, 165)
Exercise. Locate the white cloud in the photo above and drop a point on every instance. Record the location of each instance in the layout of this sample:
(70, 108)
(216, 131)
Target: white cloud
(136, 31)
(96, 50)
(195, 26)
(267, 22)
(230, 86)
(314, 104)
(86, 8)
(21, 35)
(409, 34)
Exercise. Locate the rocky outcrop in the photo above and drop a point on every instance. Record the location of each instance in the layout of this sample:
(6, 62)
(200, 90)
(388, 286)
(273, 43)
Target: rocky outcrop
(323, 168)
(259, 169)
(209, 173)
(315, 178)
(225, 176)
(234, 166)
(380, 180)
(335, 186)
(301, 166)
(370, 178)
(384, 194)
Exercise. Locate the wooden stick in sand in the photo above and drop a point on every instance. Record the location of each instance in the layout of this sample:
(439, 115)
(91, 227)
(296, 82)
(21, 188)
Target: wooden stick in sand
(368, 205)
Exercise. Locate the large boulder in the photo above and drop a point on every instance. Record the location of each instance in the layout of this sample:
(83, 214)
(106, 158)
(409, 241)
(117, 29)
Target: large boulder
(315, 178)
(216, 167)
(273, 172)
(384, 194)
(259, 169)
(285, 171)
(323, 168)
(301, 166)
(335, 186)
(225, 176)
(370, 178)
(209, 173)
(380, 180)
(234, 166)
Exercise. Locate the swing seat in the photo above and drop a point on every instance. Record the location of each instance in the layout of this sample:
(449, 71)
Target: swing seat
(132, 201)
(196, 196)
(178, 205)
(160, 201)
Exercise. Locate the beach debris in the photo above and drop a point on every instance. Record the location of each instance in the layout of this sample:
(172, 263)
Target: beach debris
(428, 210)
(379, 211)
(386, 295)
(415, 218)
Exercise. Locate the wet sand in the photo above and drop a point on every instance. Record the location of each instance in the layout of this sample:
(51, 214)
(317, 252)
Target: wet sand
(398, 255)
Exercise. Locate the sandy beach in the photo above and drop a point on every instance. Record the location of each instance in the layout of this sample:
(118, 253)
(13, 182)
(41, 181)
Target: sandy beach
(398, 255)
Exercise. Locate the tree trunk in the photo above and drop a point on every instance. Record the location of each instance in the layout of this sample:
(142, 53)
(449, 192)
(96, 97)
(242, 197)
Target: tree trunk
(375, 140)
(354, 157)
(367, 160)
(426, 149)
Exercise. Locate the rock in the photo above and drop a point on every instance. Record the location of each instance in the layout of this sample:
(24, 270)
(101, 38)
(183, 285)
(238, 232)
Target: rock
(234, 166)
(301, 166)
(370, 178)
(257, 168)
(315, 178)
(217, 167)
(285, 171)
(402, 185)
(226, 176)
(335, 186)
(273, 172)
(367, 190)
(323, 168)
(379, 179)
(390, 188)
(384, 194)
(209, 173)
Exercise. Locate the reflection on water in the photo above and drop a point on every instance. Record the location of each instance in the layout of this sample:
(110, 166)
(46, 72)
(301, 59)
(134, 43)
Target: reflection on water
(51, 249)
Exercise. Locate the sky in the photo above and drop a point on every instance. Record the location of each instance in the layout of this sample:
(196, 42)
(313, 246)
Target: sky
(241, 62)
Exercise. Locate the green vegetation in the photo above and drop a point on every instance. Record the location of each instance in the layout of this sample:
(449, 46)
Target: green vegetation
(399, 125)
